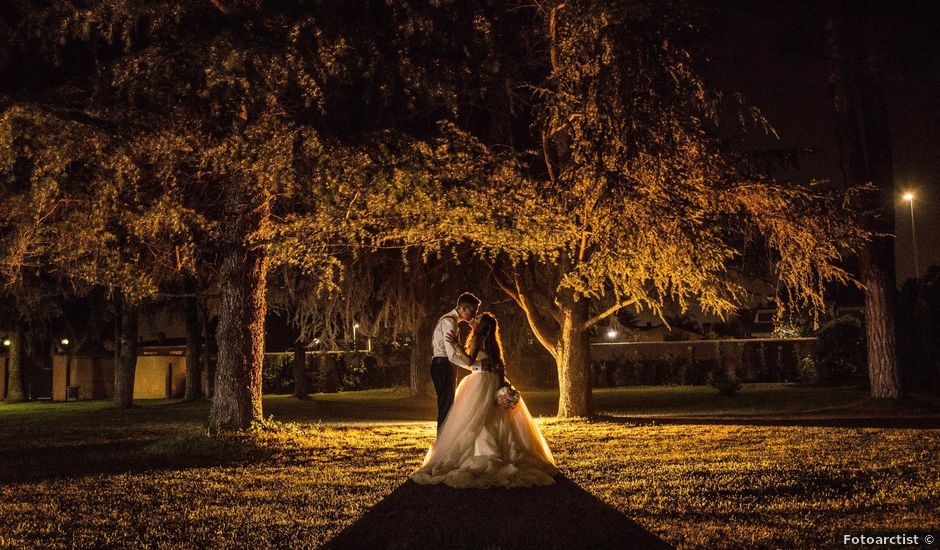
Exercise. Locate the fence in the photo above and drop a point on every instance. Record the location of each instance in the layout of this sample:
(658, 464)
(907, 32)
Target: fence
(691, 361)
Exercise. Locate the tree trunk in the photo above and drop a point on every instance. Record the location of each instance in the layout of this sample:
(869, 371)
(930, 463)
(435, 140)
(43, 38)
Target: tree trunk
(573, 358)
(328, 375)
(15, 377)
(118, 314)
(879, 328)
(207, 366)
(300, 370)
(240, 336)
(126, 366)
(193, 350)
(421, 358)
(877, 259)
(865, 155)
(39, 361)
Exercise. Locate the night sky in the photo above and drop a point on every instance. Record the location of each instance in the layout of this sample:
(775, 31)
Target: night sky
(774, 53)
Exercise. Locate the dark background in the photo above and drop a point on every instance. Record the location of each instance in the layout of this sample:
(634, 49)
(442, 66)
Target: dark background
(774, 52)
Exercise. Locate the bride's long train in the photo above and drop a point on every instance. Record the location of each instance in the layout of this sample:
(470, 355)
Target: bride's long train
(481, 445)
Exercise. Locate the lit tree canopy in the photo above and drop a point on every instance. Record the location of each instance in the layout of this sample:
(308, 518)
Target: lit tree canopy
(571, 144)
(175, 135)
(621, 193)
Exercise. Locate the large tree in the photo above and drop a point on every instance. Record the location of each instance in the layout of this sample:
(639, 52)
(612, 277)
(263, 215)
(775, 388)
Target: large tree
(598, 180)
(235, 125)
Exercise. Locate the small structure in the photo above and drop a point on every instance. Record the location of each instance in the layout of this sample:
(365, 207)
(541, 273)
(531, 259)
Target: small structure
(89, 373)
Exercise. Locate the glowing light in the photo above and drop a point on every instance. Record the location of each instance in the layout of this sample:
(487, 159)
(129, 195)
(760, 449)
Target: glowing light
(7, 342)
(611, 334)
(356, 326)
(908, 196)
(65, 341)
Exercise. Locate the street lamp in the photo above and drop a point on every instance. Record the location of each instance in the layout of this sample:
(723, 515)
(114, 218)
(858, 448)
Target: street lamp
(7, 342)
(909, 197)
(355, 328)
(611, 334)
(68, 369)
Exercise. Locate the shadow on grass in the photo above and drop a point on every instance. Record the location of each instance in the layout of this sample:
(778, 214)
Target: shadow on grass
(37, 463)
(912, 422)
(560, 516)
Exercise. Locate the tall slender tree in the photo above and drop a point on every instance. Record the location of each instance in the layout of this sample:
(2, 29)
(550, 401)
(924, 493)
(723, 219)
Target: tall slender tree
(861, 123)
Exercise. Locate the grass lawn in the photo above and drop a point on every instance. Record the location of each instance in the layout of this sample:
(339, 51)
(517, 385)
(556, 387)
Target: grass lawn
(774, 466)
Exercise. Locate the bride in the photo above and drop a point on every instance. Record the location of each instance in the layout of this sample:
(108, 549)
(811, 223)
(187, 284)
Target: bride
(480, 444)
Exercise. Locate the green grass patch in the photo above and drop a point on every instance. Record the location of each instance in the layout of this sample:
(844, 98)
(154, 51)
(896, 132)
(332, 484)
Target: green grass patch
(333, 470)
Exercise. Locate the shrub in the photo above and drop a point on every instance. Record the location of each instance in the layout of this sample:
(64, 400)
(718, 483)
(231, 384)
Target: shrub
(723, 380)
(808, 375)
(353, 376)
(599, 371)
(622, 373)
(839, 354)
(701, 371)
(277, 375)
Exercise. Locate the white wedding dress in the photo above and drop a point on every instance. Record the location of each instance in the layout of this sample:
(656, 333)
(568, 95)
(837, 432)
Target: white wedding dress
(481, 445)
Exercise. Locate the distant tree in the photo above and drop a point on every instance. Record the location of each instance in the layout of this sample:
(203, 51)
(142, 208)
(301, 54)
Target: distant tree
(861, 122)
(16, 390)
(190, 150)
(194, 349)
(77, 209)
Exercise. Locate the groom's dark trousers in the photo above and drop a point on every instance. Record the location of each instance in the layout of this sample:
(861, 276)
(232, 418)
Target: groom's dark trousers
(445, 382)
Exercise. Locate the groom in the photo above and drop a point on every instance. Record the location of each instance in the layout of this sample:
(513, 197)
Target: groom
(447, 354)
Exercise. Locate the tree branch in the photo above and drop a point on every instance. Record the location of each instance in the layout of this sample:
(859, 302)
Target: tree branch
(536, 320)
(553, 54)
(612, 309)
(548, 160)
(540, 292)
(505, 286)
(538, 325)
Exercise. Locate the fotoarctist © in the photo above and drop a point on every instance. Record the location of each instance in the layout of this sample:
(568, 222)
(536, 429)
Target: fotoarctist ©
(901, 539)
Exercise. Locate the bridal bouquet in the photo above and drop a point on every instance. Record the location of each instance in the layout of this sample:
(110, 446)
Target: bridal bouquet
(507, 397)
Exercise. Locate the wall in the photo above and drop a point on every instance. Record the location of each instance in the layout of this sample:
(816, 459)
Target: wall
(95, 377)
(160, 377)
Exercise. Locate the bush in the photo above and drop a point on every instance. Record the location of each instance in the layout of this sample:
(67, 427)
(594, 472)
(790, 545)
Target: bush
(277, 374)
(624, 373)
(723, 380)
(599, 371)
(352, 374)
(839, 354)
(809, 376)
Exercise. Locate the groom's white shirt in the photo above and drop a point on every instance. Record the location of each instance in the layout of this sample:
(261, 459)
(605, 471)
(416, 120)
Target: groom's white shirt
(442, 348)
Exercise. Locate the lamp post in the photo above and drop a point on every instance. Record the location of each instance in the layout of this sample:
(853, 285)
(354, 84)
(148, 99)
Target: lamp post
(355, 328)
(68, 366)
(909, 197)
